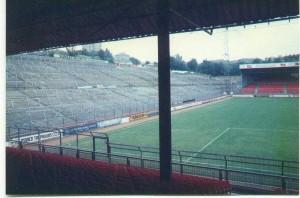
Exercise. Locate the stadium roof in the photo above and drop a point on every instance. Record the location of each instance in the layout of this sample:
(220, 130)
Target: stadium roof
(269, 65)
(38, 24)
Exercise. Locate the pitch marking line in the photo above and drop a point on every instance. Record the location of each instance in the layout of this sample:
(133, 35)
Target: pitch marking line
(209, 143)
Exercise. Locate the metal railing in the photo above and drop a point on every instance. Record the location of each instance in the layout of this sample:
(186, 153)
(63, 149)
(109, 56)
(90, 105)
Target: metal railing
(257, 164)
(250, 179)
(261, 173)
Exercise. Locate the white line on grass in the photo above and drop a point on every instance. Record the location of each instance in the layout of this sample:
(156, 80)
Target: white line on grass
(209, 143)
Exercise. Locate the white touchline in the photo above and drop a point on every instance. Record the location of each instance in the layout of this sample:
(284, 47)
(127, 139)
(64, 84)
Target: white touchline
(209, 143)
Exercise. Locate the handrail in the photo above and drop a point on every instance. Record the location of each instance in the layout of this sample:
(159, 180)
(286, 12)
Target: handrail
(182, 153)
(216, 159)
(154, 148)
(214, 154)
(175, 163)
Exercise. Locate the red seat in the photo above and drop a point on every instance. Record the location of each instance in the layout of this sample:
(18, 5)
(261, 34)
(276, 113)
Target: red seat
(249, 89)
(270, 88)
(31, 172)
(293, 88)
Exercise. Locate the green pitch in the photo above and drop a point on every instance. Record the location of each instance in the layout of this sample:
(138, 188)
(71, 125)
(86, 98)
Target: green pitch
(258, 127)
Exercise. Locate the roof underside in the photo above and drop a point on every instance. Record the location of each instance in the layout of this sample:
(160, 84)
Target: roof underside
(39, 24)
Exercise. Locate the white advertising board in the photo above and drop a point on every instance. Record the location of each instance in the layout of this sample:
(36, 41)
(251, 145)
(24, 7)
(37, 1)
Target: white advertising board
(35, 137)
(107, 123)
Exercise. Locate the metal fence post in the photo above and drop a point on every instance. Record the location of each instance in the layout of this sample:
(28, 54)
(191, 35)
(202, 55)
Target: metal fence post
(60, 144)
(20, 145)
(282, 167)
(108, 150)
(226, 166)
(18, 134)
(77, 154)
(141, 156)
(19, 140)
(181, 165)
(127, 161)
(283, 184)
(109, 158)
(77, 150)
(94, 149)
(9, 131)
(39, 140)
(220, 175)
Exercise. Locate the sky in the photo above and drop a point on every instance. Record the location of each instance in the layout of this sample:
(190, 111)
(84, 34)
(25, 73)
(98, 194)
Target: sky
(253, 41)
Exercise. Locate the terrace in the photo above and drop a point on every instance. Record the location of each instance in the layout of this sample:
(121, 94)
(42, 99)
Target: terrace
(69, 92)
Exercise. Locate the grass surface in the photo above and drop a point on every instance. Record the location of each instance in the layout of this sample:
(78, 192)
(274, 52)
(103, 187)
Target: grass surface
(259, 127)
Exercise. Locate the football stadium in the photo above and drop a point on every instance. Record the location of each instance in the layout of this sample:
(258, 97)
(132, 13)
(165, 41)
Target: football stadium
(76, 124)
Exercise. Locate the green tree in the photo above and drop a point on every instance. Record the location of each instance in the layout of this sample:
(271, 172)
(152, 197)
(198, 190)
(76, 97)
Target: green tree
(135, 61)
(257, 60)
(177, 63)
(101, 54)
(192, 65)
(109, 57)
(105, 55)
(71, 51)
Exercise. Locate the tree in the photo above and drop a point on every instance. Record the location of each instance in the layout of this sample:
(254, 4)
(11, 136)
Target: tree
(177, 63)
(105, 55)
(212, 68)
(51, 53)
(192, 65)
(135, 61)
(109, 57)
(71, 51)
(101, 54)
(257, 60)
(85, 52)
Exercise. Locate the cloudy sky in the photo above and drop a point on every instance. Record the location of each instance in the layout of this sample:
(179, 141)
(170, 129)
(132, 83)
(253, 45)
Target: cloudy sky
(261, 40)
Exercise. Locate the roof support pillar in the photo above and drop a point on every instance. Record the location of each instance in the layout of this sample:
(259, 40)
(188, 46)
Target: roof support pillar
(164, 91)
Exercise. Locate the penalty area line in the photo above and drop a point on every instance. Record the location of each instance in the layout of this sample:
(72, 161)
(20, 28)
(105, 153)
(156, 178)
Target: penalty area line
(209, 143)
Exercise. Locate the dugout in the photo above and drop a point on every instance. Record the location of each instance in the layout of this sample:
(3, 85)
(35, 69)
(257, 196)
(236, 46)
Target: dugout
(33, 25)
